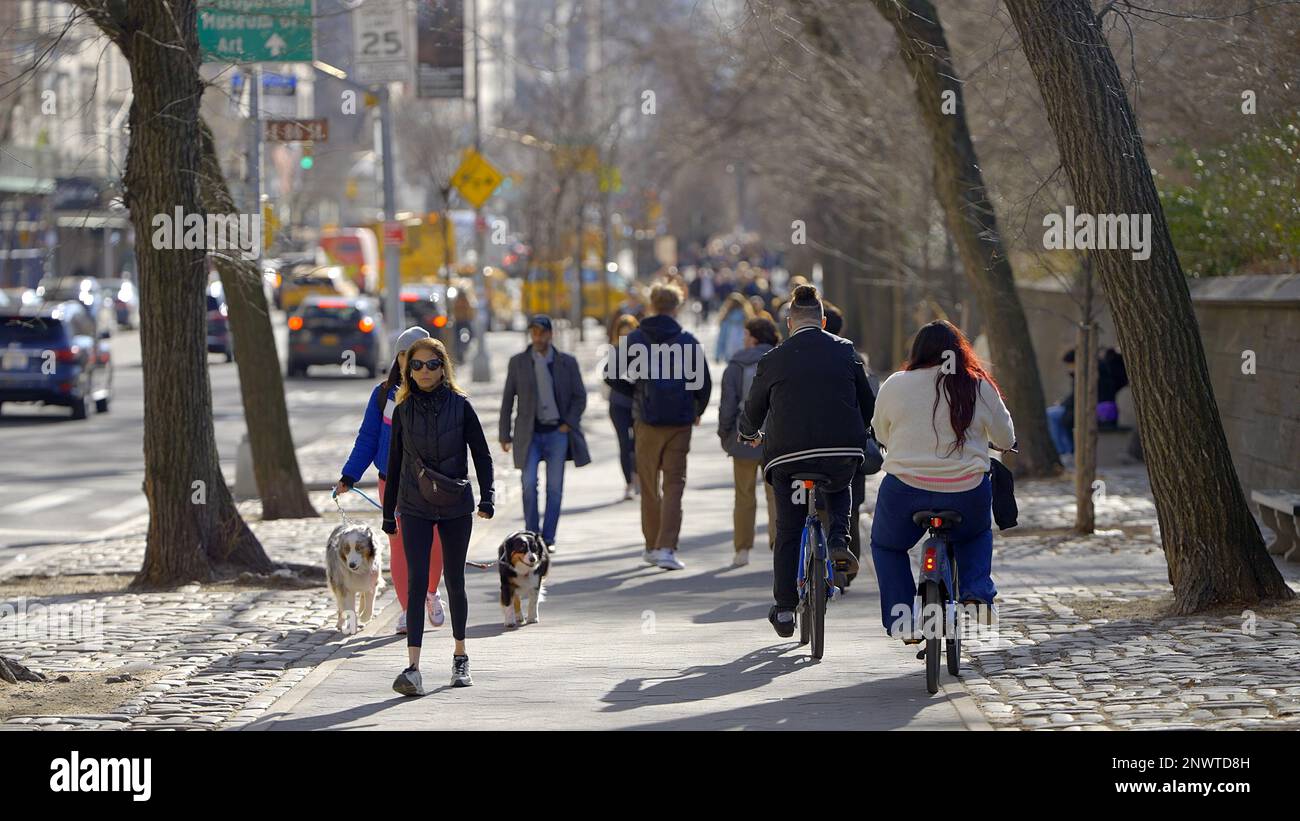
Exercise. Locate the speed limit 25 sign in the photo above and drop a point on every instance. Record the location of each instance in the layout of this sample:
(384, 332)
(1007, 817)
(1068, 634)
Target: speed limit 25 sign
(381, 42)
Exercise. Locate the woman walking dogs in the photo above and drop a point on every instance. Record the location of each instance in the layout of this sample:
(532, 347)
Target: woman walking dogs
(428, 484)
(372, 446)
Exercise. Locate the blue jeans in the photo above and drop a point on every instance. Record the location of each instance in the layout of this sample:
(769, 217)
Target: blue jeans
(1062, 436)
(551, 448)
(893, 534)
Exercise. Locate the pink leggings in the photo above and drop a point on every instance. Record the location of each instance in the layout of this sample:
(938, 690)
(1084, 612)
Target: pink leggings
(397, 559)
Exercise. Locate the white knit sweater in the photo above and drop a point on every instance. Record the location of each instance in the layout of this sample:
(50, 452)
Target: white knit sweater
(916, 454)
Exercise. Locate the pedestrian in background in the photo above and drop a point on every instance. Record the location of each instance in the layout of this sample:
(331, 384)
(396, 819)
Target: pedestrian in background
(547, 423)
(746, 461)
(736, 311)
(620, 408)
(371, 447)
(664, 408)
(434, 427)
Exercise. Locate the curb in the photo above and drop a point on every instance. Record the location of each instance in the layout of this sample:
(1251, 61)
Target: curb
(967, 708)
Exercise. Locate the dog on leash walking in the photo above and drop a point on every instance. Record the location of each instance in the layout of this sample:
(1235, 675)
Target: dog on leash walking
(523, 561)
(352, 568)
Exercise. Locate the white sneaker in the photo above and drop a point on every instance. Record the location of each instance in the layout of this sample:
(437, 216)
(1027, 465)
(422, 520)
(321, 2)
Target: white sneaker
(409, 683)
(650, 557)
(668, 559)
(433, 609)
(627, 493)
(401, 623)
(741, 559)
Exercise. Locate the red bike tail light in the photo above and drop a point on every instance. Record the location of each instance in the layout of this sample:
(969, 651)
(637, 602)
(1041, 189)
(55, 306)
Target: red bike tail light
(807, 483)
(931, 561)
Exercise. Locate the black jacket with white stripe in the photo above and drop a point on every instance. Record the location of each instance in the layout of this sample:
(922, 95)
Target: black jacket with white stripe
(811, 395)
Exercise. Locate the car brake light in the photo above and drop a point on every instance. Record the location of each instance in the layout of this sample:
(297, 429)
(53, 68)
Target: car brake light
(67, 354)
(366, 324)
(936, 522)
(331, 303)
(410, 298)
(439, 321)
(295, 323)
(931, 560)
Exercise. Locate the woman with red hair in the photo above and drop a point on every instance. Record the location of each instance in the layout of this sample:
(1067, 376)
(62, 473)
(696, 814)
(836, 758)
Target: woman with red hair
(937, 460)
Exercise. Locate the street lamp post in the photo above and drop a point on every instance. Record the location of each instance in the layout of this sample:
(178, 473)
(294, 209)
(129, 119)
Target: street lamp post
(392, 253)
(482, 367)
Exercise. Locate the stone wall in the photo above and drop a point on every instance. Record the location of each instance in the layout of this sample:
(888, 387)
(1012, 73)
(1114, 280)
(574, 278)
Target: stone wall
(1261, 411)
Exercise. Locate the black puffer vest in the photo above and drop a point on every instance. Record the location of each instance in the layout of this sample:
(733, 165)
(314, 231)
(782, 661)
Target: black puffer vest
(433, 431)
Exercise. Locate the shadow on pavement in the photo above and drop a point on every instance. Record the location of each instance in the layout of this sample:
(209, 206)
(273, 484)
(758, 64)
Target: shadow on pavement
(706, 681)
(882, 704)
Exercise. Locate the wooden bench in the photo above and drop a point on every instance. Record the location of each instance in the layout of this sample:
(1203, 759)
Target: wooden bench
(1280, 510)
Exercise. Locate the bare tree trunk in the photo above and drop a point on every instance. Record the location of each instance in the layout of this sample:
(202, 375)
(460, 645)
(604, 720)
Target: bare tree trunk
(1085, 423)
(959, 184)
(261, 385)
(1211, 541)
(195, 531)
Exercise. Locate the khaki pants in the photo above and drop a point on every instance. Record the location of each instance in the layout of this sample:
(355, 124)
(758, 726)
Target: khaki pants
(744, 471)
(661, 451)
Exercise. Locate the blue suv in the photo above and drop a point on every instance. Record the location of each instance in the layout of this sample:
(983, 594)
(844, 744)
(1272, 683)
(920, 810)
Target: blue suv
(52, 354)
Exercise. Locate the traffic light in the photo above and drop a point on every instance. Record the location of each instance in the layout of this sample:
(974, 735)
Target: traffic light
(307, 160)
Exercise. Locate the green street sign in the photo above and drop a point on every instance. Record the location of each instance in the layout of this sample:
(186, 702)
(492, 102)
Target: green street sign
(255, 31)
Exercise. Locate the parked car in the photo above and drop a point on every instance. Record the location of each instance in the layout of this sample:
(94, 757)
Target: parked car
(86, 290)
(304, 280)
(325, 329)
(52, 354)
(125, 299)
(426, 306)
(220, 339)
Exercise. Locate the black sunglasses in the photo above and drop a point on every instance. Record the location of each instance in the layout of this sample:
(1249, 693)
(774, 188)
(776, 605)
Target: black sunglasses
(421, 364)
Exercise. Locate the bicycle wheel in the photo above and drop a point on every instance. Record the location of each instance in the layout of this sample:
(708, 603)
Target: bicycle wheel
(953, 643)
(932, 626)
(954, 634)
(802, 612)
(817, 603)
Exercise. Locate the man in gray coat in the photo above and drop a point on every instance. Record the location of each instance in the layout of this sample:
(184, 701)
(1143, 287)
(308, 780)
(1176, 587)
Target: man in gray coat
(547, 422)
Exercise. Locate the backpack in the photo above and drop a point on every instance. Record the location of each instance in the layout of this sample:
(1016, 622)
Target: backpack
(666, 401)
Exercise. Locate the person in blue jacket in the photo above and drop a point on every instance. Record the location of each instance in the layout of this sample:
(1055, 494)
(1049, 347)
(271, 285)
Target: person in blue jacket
(371, 447)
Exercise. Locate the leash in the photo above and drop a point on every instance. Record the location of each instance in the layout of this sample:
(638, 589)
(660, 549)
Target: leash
(335, 496)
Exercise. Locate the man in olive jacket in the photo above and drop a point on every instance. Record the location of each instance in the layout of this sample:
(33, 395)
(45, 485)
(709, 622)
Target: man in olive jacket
(547, 422)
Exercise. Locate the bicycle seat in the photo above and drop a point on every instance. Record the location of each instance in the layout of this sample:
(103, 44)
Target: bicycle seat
(815, 478)
(948, 519)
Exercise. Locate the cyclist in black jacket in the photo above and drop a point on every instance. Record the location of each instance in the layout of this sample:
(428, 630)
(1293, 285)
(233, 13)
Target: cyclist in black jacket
(811, 395)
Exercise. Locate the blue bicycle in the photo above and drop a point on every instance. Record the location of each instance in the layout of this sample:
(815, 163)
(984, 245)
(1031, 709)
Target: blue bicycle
(815, 579)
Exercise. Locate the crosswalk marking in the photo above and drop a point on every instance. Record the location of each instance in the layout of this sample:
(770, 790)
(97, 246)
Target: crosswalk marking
(47, 500)
(139, 504)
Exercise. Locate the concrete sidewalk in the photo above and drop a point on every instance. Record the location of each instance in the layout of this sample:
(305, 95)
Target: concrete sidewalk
(625, 645)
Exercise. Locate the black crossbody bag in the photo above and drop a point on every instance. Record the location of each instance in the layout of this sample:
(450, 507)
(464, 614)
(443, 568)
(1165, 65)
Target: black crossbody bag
(438, 489)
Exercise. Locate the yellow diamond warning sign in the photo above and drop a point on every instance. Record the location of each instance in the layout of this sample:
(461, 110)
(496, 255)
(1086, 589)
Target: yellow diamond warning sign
(476, 178)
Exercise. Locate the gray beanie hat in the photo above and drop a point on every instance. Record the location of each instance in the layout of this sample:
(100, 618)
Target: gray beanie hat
(408, 338)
